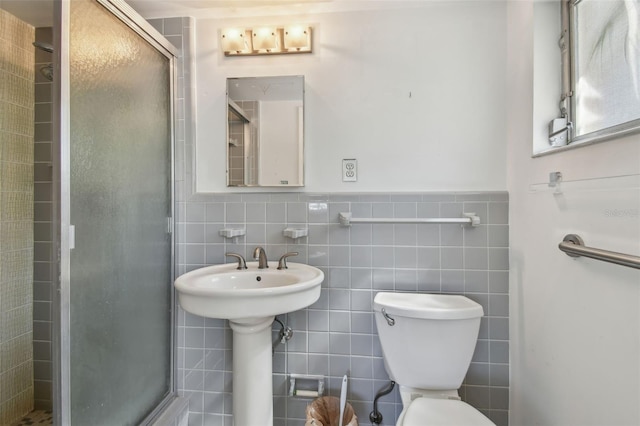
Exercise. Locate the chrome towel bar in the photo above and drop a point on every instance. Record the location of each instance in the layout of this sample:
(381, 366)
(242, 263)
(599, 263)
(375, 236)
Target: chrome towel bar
(573, 245)
(470, 219)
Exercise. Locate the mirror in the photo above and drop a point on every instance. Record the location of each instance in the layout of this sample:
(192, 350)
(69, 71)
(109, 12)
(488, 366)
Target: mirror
(265, 131)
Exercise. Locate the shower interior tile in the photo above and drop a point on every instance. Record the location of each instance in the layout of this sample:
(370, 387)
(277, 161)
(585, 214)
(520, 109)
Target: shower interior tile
(16, 148)
(42, 132)
(15, 294)
(16, 236)
(43, 93)
(42, 330)
(42, 152)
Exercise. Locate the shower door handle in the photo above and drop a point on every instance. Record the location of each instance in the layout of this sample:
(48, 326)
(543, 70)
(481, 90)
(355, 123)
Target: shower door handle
(72, 237)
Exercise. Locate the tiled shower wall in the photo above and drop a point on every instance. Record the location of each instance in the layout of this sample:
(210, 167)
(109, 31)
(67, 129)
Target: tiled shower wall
(42, 228)
(337, 334)
(16, 217)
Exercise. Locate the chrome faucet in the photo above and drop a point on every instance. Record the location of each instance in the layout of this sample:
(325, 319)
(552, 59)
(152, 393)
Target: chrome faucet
(241, 262)
(260, 255)
(282, 263)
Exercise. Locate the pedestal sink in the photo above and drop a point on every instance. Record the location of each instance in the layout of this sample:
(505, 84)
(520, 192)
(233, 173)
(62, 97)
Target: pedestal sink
(250, 299)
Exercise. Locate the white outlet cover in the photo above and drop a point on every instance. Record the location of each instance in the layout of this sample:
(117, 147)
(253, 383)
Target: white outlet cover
(349, 170)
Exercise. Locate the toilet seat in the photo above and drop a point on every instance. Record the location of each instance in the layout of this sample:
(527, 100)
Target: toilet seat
(442, 412)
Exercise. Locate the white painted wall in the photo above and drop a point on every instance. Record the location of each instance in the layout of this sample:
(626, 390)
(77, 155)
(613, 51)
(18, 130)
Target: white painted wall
(416, 94)
(574, 323)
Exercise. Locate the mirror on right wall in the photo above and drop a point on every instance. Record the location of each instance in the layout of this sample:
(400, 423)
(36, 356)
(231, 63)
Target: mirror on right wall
(265, 131)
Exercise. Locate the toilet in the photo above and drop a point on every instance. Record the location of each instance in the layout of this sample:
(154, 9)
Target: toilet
(427, 343)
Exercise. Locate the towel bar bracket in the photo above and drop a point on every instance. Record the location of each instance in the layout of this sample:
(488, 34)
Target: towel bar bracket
(573, 239)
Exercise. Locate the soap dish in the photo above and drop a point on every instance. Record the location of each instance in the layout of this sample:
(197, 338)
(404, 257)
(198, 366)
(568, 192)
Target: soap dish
(295, 233)
(231, 232)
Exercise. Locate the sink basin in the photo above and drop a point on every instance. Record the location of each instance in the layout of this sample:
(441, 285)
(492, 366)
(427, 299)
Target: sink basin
(250, 299)
(222, 291)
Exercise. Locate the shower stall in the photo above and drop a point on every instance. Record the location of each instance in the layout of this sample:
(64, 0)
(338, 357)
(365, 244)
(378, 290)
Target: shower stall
(86, 207)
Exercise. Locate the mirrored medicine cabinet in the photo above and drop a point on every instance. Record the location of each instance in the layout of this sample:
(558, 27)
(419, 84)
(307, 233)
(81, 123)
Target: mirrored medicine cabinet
(265, 131)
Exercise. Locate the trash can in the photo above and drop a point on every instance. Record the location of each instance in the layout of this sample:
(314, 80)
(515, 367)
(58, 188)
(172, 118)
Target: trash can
(325, 411)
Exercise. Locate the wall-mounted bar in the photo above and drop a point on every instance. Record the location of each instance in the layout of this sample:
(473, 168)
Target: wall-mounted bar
(558, 184)
(573, 245)
(470, 219)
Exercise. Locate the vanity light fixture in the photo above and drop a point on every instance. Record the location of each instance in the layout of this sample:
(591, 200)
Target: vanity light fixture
(276, 40)
(264, 39)
(235, 40)
(297, 38)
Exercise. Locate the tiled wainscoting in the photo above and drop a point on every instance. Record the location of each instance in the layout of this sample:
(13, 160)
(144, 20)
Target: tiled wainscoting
(337, 334)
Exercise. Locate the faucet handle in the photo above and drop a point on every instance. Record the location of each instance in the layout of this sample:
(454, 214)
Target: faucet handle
(242, 264)
(282, 263)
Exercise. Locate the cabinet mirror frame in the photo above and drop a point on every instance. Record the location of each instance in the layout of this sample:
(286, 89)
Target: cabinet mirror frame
(265, 131)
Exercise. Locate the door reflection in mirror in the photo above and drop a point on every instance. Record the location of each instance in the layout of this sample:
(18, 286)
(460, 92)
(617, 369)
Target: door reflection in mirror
(265, 131)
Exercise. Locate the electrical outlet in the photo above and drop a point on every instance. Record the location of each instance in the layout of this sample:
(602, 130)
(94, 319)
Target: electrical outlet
(349, 170)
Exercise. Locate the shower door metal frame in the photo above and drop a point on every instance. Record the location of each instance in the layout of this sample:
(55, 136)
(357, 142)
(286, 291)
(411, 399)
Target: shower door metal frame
(62, 198)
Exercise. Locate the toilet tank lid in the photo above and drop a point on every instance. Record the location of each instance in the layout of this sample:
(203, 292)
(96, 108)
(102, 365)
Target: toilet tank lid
(428, 306)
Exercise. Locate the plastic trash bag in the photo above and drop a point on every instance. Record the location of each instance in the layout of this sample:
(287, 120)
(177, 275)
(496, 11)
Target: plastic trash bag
(325, 411)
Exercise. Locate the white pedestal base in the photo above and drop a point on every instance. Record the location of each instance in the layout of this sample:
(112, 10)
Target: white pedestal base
(252, 372)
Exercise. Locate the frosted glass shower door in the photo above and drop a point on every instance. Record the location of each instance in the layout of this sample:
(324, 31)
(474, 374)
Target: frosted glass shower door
(120, 171)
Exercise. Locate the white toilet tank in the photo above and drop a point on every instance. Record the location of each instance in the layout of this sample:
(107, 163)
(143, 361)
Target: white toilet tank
(432, 339)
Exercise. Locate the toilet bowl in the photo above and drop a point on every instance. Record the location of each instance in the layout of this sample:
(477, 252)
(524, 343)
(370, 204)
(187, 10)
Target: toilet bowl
(425, 411)
(427, 344)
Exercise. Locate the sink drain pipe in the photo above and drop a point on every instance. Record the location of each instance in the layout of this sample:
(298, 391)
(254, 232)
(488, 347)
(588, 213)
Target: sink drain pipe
(285, 334)
(375, 416)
